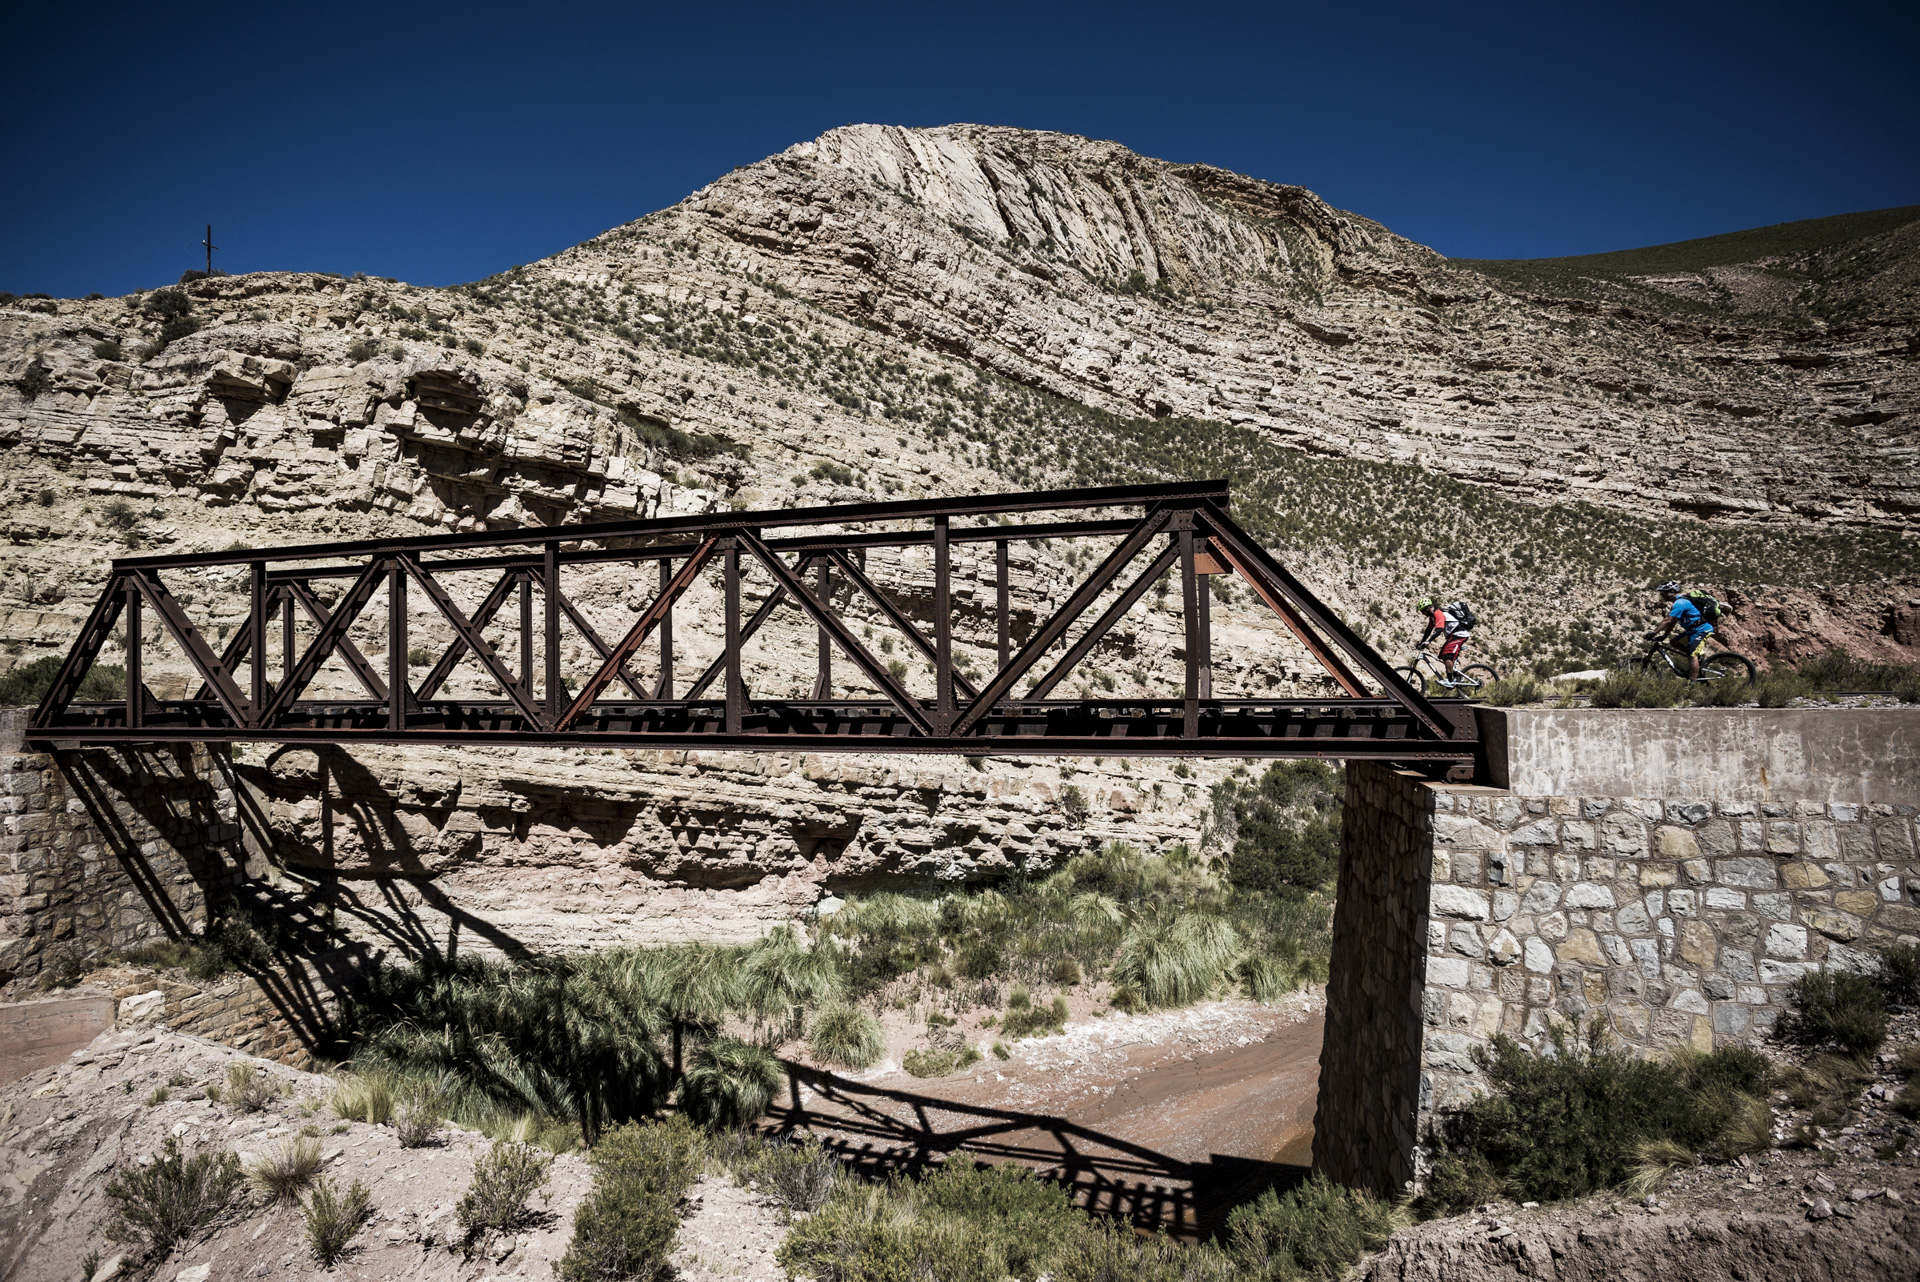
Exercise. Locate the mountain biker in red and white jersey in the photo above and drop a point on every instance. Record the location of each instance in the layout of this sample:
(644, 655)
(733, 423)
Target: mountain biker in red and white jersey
(1442, 622)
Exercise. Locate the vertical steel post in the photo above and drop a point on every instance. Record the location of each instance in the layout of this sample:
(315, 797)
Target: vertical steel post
(257, 606)
(287, 639)
(1190, 615)
(942, 628)
(822, 592)
(665, 690)
(1205, 589)
(396, 646)
(134, 687)
(526, 630)
(736, 694)
(550, 599)
(1000, 600)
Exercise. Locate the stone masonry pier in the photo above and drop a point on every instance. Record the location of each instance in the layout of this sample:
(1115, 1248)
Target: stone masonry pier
(1666, 874)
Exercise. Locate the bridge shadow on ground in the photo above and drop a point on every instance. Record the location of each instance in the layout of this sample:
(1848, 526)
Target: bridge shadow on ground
(880, 1131)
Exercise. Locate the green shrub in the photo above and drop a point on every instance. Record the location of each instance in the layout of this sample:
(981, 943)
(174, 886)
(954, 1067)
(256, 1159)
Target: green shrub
(961, 1223)
(1318, 1230)
(1509, 691)
(503, 1179)
(1035, 1020)
(1838, 1008)
(362, 350)
(625, 1226)
(730, 1084)
(107, 349)
(173, 1197)
(1624, 689)
(1110, 1251)
(799, 1174)
(844, 1034)
(417, 1120)
(1567, 1123)
(1287, 829)
(1900, 974)
(930, 1062)
(333, 1216)
(28, 684)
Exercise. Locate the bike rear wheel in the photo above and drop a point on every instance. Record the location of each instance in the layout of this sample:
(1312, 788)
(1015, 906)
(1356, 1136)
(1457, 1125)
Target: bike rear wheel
(1413, 679)
(1727, 666)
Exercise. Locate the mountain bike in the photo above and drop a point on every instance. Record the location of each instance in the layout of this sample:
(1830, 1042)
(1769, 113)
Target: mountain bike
(1470, 678)
(1663, 659)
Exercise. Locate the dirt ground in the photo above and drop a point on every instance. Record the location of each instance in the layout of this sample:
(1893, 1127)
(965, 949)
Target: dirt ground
(65, 1130)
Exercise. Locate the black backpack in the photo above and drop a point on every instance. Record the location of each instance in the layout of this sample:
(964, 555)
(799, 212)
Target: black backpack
(1464, 613)
(1708, 607)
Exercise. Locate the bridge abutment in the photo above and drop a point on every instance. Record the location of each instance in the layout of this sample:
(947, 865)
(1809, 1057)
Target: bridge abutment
(1664, 874)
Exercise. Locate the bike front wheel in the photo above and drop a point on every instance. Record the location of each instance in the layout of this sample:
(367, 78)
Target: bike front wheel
(1415, 682)
(1727, 666)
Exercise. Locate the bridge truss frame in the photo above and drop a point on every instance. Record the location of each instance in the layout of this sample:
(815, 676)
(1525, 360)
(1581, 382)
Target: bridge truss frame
(1184, 525)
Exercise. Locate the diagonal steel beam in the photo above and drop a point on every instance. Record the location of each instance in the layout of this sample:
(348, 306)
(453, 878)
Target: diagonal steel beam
(489, 607)
(842, 635)
(86, 648)
(332, 633)
(644, 625)
(1063, 618)
(900, 621)
(1084, 646)
(1291, 600)
(350, 654)
(599, 644)
(174, 618)
(469, 634)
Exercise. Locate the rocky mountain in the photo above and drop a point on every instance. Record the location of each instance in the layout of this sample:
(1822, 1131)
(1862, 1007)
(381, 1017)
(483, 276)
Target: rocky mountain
(893, 312)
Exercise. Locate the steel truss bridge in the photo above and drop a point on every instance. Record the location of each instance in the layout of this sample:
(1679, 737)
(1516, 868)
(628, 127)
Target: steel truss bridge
(256, 687)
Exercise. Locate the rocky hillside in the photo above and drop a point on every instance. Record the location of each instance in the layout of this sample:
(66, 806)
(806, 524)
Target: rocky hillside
(888, 312)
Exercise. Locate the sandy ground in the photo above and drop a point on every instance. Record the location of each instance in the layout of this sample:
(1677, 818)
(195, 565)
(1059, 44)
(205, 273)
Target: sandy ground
(1157, 1117)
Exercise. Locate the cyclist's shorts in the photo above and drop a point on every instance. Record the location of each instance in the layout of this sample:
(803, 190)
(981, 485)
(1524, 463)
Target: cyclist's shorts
(1696, 643)
(1453, 647)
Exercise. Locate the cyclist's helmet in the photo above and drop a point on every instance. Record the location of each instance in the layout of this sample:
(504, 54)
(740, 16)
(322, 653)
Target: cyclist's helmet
(1670, 588)
(1424, 605)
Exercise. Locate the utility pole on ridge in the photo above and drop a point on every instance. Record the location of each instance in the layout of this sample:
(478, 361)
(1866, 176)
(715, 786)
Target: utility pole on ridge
(208, 242)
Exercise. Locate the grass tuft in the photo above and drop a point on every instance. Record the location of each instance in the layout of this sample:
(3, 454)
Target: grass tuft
(844, 1034)
(730, 1084)
(284, 1171)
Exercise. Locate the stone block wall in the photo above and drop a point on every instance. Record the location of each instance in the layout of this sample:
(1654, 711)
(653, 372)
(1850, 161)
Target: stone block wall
(1665, 875)
(1668, 921)
(287, 1012)
(107, 848)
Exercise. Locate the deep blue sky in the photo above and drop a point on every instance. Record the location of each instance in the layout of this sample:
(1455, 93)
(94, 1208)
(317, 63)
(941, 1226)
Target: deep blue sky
(440, 143)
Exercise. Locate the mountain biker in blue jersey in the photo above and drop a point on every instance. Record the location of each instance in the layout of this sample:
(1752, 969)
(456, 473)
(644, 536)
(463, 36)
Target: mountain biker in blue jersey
(1684, 615)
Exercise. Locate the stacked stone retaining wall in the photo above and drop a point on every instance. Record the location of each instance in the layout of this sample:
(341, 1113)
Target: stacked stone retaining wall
(1757, 846)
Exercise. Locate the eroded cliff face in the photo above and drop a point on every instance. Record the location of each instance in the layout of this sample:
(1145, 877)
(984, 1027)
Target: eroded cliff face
(1153, 288)
(552, 849)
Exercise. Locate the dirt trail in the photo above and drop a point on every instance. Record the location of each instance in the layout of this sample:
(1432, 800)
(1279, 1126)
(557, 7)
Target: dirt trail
(1163, 1118)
